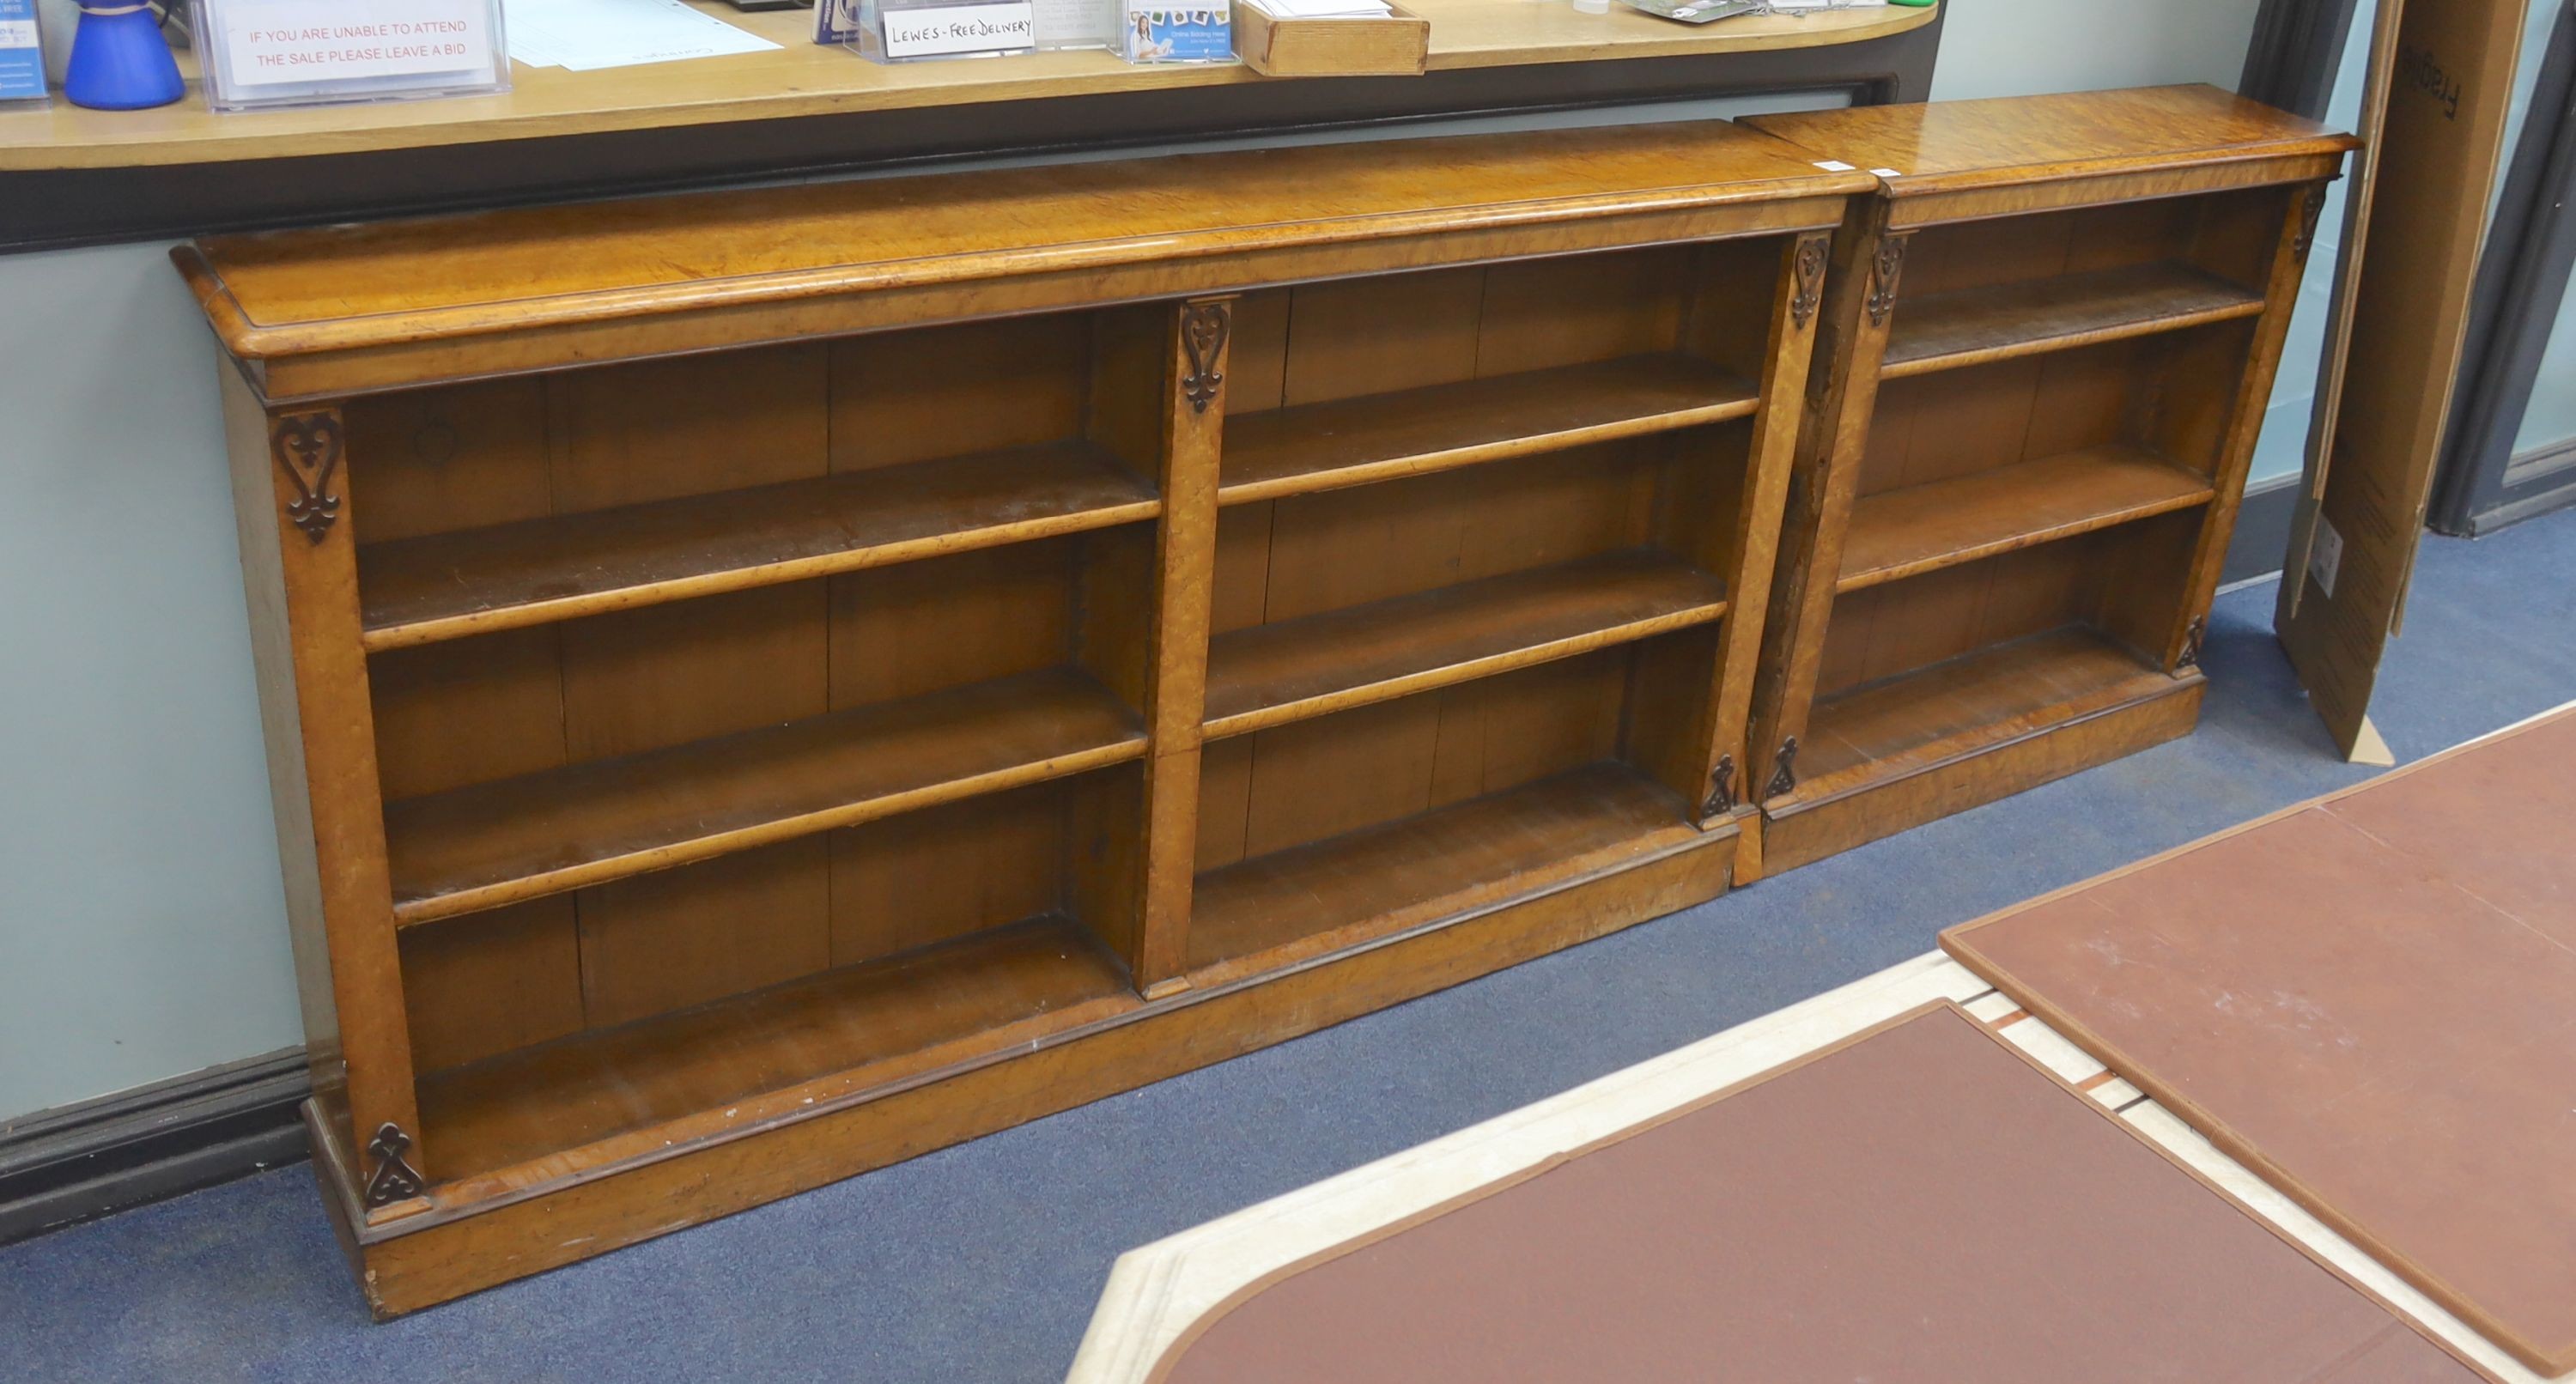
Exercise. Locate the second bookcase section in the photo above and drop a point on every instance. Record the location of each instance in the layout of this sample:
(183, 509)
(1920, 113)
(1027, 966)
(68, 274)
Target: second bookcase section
(2051, 353)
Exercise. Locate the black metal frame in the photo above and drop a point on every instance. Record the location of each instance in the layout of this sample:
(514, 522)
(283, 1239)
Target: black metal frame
(2522, 282)
(94, 206)
(2297, 48)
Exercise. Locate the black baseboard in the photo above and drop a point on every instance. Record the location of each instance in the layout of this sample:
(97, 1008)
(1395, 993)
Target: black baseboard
(78, 1162)
(2262, 530)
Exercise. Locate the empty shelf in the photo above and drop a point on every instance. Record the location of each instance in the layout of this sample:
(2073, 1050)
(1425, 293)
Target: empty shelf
(448, 585)
(496, 843)
(1972, 326)
(1921, 528)
(1381, 436)
(1933, 715)
(777, 1052)
(1360, 886)
(1268, 674)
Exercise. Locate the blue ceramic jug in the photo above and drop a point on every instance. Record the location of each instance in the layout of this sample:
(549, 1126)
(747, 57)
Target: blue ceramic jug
(120, 62)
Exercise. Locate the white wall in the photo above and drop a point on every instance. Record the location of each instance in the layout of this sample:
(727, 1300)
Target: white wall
(2031, 47)
(142, 931)
(141, 926)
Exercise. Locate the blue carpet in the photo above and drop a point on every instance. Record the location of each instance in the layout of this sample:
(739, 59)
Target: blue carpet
(981, 1262)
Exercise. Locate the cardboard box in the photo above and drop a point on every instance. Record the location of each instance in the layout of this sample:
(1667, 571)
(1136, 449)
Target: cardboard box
(2441, 80)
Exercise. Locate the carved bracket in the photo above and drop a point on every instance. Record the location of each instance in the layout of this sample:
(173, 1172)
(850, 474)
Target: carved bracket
(394, 1179)
(307, 446)
(2192, 636)
(1204, 327)
(2313, 208)
(1721, 788)
(1886, 267)
(1810, 270)
(1784, 773)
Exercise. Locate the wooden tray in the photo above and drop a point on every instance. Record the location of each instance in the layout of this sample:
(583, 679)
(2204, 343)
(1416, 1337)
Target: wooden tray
(1396, 46)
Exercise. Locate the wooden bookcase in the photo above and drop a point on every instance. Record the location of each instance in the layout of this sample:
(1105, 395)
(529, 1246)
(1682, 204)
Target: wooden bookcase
(761, 685)
(2045, 355)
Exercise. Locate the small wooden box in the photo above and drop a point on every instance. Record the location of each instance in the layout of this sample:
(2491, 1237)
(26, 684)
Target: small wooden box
(1395, 46)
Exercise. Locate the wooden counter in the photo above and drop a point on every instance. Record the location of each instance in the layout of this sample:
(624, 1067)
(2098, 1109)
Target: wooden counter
(802, 78)
(75, 177)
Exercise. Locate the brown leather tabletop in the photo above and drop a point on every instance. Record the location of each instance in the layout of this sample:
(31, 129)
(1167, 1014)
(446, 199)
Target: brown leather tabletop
(2370, 1000)
(1918, 1202)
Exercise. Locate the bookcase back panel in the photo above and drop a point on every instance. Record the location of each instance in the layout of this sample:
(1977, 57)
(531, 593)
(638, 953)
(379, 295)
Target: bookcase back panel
(2168, 397)
(2142, 581)
(1312, 553)
(1350, 337)
(2227, 234)
(646, 947)
(1299, 783)
(1958, 422)
(490, 983)
(495, 706)
(461, 457)
(947, 391)
(1890, 630)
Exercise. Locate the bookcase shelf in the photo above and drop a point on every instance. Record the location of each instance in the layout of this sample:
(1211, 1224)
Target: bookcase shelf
(1975, 326)
(1266, 675)
(446, 586)
(1949, 710)
(1368, 885)
(745, 1061)
(1923, 528)
(498, 843)
(1323, 446)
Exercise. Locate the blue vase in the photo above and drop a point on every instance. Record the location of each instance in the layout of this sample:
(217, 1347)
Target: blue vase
(120, 62)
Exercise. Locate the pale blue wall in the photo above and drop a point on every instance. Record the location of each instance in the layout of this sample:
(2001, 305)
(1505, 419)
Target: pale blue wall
(141, 924)
(141, 931)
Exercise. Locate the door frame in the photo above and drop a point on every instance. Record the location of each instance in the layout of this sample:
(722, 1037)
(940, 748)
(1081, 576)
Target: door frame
(2482, 484)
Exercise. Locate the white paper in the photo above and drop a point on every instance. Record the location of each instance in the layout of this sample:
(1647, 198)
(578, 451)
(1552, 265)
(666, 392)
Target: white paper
(1323, 9)
(1833, 165)
(587, 35)
(274, 42)
(1076, 23)
(2325, 556)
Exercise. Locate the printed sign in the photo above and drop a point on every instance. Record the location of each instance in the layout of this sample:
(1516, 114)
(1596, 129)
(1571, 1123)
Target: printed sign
(22, 62)
(273, 42)
(945, 29)
(1158, 31)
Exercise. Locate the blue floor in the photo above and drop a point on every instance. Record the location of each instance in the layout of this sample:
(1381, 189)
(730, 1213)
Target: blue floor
(980, 1263)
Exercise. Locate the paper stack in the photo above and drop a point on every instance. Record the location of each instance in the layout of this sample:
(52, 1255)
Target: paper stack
(586, 35)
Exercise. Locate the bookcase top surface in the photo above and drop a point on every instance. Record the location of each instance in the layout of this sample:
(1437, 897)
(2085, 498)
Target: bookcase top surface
(1951, 146)
(356, 287)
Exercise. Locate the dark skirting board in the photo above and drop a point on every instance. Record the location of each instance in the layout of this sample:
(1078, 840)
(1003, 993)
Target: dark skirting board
(1918, 1202)
(2369, 1000)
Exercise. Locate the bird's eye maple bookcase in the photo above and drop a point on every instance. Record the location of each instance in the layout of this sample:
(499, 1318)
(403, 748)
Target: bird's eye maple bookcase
(767, 683)
(2048, 347)
(764, 684)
